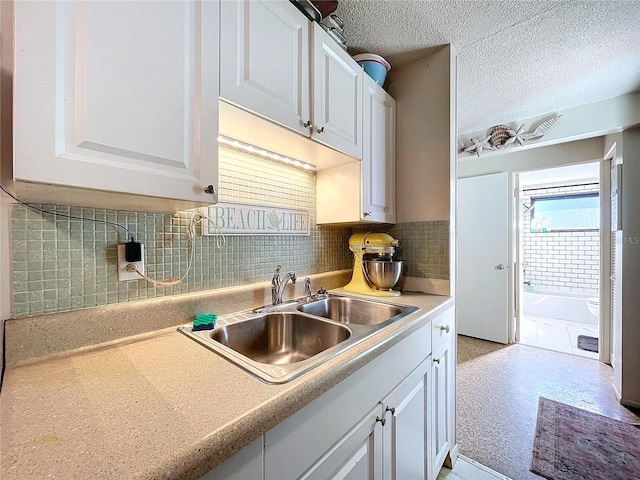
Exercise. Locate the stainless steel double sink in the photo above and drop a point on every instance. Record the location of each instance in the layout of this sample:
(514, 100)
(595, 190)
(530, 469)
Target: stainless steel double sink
(284, 341)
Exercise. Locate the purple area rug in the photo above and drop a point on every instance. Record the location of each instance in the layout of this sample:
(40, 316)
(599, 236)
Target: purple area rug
(573, 444)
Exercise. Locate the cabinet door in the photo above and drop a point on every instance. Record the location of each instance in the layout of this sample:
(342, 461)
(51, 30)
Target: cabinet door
(337, 96)
(379, 154)
(443, 402)
(265, 53)
(357, 456)
(406, 433)
(118, 96)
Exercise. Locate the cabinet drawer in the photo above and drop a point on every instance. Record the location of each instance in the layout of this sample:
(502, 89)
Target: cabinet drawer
(443, 329)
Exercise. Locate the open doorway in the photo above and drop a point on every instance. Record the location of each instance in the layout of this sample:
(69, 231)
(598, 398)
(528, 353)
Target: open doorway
(559, 253)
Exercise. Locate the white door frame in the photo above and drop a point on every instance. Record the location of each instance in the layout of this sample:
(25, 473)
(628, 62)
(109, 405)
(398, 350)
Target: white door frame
(604, 323)
(606, 238)
(518, 260)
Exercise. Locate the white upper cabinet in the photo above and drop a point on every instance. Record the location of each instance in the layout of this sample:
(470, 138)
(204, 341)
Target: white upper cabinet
(118, 97)
(364, 192)
(337, 95)
(278, 65)
(379, 154)
(265, 59)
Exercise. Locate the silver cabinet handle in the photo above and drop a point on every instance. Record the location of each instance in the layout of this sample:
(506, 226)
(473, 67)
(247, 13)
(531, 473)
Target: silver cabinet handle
(446, 328)
(436, 360)
(320, 130)
(209, 189)
(381, 420)
(500, 267)
(391, 409)
(367, 214)
(307, 124)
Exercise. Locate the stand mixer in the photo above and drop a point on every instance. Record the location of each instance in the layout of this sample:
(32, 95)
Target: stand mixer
(380, 248)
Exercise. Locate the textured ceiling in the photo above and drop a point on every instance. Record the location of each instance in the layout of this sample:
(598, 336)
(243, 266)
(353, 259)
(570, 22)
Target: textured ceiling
(516, 59)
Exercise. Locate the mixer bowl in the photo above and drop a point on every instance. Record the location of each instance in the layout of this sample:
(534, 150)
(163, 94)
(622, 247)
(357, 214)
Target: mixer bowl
(383, 274)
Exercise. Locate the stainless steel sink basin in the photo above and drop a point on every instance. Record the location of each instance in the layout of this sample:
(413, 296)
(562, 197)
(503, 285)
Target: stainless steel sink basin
(280, 338)
(281, 345)
(352, 310)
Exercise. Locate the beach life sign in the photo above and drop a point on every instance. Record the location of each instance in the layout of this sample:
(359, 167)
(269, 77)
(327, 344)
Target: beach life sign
(245, 219)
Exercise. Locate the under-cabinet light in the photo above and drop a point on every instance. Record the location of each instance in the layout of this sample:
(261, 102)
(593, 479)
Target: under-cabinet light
(264, 153)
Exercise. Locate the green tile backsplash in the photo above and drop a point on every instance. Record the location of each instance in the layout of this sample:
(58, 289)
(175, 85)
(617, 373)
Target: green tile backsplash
(61, 264)
(424, 247)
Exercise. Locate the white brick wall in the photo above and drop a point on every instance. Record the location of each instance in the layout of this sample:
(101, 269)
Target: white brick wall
(561, 261)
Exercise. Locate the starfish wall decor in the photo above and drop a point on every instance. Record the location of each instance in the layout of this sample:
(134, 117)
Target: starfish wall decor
(502, 136)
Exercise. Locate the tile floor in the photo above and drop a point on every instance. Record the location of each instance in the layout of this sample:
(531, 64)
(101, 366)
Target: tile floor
(498, 387)
(555, 334)
(467, 469)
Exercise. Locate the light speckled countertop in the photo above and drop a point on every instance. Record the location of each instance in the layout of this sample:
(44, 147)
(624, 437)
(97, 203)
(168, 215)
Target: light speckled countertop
(158, 405)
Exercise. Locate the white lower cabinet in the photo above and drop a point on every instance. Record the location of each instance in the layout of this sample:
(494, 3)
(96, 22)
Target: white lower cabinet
(389, 420)
(443, 389)
(392, 440)
(357, 456)
(407, 430)
(304, 439)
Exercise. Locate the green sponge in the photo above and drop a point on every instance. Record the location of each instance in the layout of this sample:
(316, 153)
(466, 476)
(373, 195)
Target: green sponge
(204, 321)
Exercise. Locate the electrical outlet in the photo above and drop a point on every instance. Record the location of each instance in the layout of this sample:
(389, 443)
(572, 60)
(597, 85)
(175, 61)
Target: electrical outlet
(123, 274)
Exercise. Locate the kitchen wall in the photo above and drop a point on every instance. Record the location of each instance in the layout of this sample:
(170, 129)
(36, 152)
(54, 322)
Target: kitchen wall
(61, 264)
(561, 261)
(424, 248)
(425, 92)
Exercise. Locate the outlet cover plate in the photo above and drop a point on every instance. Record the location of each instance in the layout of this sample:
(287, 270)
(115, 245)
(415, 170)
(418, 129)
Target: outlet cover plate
(122, 264)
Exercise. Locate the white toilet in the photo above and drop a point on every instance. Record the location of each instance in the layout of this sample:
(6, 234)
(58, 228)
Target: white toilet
(593, 304)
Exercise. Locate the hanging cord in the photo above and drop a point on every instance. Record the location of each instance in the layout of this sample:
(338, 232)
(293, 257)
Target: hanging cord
(197, 217)
(57, 214)
(221, 240)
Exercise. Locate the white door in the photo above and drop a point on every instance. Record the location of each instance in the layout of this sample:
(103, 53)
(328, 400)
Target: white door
(337, 96)
(118, 96)
(264, 51)
(483, 257)
(379, 154)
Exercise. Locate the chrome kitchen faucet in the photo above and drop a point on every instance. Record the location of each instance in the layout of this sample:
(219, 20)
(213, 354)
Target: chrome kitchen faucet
(278, 285)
